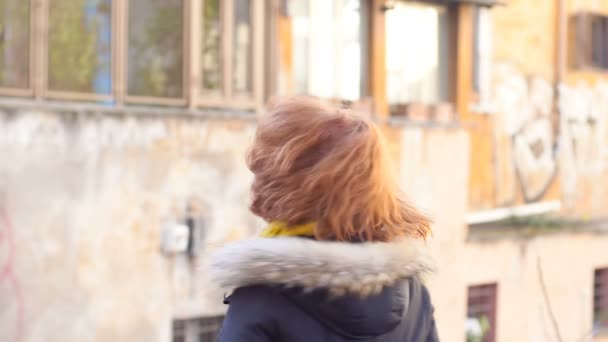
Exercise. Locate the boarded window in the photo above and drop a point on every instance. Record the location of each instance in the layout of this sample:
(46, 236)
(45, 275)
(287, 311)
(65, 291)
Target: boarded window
(588, 41)
(481, 311)
(155, 38)
(197, 330)
(80, 53)
(600, 299)
(14, 43)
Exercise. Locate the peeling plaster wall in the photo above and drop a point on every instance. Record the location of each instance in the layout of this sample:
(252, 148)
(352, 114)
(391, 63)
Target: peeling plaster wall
(83, 197)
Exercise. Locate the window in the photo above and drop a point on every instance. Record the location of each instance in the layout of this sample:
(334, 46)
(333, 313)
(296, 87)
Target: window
(600, 299)
(79, 46)
(155, 48)
(169, 52)
(588, 41)
(230, 49)
(321, 48)
(197, 330)
(242, 47)
(416, 54)
(481, 313)
(211, 46)
(15, 44)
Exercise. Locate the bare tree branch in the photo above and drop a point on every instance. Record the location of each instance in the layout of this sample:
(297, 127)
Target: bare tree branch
(543, 286)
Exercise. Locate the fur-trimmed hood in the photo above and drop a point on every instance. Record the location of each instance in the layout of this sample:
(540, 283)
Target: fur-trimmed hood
(339, 267)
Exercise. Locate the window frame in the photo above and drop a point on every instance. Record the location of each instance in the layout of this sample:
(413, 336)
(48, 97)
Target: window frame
(263, 71)
(200, 97)
(29, 90)
(45, 91)
(192, 97)
(124, 60)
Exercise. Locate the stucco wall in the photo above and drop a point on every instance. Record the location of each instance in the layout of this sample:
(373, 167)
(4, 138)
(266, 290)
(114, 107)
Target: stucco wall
(83, 197)
(567, 263)
(433, 167)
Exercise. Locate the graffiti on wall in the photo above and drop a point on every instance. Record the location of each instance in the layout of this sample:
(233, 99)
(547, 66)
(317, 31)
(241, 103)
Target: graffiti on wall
(584, 133)
(526, 155)
(8, 278)
(532, 148)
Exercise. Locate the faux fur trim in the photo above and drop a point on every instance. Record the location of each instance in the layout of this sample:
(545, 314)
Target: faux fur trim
(357, 268)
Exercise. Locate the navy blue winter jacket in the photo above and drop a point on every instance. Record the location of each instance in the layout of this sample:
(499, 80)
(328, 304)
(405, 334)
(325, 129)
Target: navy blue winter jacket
(299, 290)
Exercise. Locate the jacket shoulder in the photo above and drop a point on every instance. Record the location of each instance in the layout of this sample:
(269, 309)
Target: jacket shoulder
(250, 315)
(420, 321)
(251, 294)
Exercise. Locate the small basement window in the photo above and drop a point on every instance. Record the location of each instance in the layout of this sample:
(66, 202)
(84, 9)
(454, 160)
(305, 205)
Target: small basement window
(204, 329)
(481, 313)
(600, 299)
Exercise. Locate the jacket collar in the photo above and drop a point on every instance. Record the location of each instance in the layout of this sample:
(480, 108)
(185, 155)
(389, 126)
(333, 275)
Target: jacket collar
(342, 268)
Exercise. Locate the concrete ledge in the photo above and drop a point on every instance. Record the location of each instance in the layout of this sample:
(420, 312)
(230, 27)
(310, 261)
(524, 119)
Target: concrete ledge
(498, 214)
(74, 106)
(532, 227)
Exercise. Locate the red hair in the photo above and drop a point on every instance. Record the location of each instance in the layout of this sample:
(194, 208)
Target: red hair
(312, 162)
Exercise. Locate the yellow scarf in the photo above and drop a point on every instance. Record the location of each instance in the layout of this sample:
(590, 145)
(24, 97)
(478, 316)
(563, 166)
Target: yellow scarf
(278, 229)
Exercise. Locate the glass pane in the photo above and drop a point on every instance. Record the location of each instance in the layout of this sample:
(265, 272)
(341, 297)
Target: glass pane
(80, 33)
(332, 69)
(155, 66)
(242, 46)
(420, 74)
(211, 45)
(14, 43)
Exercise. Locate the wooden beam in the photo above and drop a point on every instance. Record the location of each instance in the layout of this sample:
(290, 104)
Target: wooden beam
(257, 26)
(463, 82)
(377, 57)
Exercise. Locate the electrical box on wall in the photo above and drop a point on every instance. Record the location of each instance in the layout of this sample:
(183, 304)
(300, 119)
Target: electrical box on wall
(174, 238)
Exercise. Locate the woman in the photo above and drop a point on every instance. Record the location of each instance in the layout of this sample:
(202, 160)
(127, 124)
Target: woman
(342, 255)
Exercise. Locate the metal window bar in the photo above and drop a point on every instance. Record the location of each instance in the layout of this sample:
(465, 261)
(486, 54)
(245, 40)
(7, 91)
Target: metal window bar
(600, 298)
(481, 302)
(197, 330)
(604, 46)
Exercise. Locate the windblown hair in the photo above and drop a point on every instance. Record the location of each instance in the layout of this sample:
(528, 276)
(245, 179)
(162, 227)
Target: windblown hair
(312, 162)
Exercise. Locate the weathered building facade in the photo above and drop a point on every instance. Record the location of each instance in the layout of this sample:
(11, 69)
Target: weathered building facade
(125, 122)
